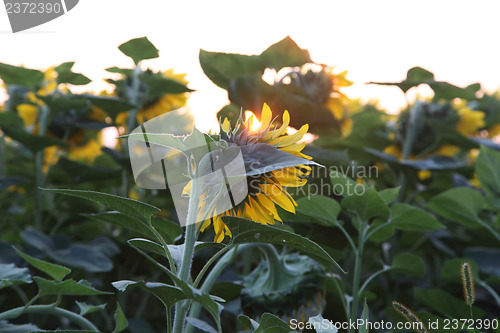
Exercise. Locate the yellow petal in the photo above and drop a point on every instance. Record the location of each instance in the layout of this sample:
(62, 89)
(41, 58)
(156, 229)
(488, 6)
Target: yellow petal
(268, 204)
(225, 126)
(290, 139)
(278, 197)
(266, 117)
(187, 189)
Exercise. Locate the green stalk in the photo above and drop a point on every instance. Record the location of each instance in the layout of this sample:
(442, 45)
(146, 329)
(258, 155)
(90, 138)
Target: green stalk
(2, 154)
(50, 310)
(357, 273)
(190, 239)
(39, 161)
(216, 271)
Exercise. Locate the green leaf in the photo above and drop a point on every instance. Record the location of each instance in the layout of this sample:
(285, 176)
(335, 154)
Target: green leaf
(389, 194)
(406, 217)
(6, 327)
(246, 231)
(34, 143)
(22, 76)
(342, 185)
(271, 323)
(147, 245)
(285, 53)
(169, 230)
(122, 220)
(10, 120)
(488, 170)
(111, 105)
(448, 91)
(201, 325)
(66, 287)
(133, 208)
(248, 322)
(365, 318)
(445, 304)
(89, 308)
(461, 205)
(167, 294)
(11, 275)
(318, 322)
(121, 322)
(419, 74)
(139, 49)
(221, 68)
(66, 75)
(57, 272)
(159, 85)
(367, 205)
(409, 264)
(321, 208)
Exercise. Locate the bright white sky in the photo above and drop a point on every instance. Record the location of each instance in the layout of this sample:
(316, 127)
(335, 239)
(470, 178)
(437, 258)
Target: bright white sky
(373, 40)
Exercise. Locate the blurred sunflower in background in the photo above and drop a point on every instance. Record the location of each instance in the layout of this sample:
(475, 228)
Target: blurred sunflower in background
(266, 190)
(72, 121)
(322, 87)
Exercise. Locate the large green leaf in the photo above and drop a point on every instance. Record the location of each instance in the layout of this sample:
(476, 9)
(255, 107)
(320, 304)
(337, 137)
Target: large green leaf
(221, 68)
(320, 207)
(11, 275)
(410, 264)
(139, 49)
(22, 76)
(389, 194)
(285, 53)
(66, 287)
(122, 220)
(246, 231)
(367, 205)
(133, 208)
(460, 205)
(167, 294)
(271, 323)
(406, 217)
(57, 272)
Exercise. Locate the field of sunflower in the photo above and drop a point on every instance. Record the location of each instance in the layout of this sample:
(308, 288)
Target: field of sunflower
(306, 211)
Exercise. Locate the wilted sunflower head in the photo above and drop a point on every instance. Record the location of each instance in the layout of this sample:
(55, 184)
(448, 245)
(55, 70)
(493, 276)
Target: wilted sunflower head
(272, 161)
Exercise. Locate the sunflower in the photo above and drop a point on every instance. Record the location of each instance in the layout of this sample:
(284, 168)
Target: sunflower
(260, 203)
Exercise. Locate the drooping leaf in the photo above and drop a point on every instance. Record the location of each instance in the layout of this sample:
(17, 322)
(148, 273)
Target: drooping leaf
(133, 208)
(245, 231)
(159, 85)
(33, 142)
(201, 325)
(139, 49)
(66, 287)
(320, 324)
(57, 272)
(11, 275)
(66, 75)
(7, 327)
(111, 105)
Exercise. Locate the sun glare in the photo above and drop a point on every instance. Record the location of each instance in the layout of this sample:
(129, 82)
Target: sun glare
(252, 121)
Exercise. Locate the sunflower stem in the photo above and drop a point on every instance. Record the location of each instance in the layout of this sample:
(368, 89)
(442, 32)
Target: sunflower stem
(357, 272)
(190, 239)
(39, 161)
